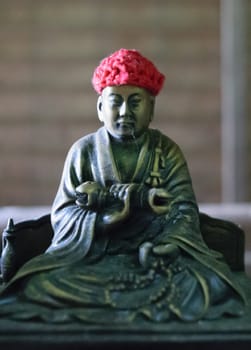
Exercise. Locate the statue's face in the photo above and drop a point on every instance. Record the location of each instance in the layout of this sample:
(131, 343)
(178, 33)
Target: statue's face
(125, 110)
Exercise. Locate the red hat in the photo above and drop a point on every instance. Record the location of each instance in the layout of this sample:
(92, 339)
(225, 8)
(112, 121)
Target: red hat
(127, 67)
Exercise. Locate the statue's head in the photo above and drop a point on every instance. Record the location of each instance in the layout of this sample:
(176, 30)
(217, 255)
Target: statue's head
(127, 83)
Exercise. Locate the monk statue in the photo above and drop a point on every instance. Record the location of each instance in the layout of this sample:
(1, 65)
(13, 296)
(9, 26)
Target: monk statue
(127, 244)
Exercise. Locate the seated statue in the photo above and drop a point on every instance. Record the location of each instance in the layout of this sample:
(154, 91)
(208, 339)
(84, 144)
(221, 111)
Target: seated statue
(127, 244)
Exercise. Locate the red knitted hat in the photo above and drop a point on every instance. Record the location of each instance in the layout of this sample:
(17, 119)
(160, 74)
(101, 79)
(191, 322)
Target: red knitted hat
(127, 67)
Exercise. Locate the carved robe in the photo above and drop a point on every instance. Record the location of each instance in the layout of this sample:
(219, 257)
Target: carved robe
(95, 277)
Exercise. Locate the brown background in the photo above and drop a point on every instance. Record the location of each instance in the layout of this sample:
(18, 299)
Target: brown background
(48, 50)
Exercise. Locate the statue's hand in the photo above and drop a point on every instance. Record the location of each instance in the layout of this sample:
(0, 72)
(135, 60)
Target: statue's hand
(148, 253)
(145, 254)
(121, 208)
(169, 250)
(89, 195)
(159, 200)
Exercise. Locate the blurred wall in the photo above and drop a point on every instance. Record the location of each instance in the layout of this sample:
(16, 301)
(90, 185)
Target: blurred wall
(248, 97)
(48, 51)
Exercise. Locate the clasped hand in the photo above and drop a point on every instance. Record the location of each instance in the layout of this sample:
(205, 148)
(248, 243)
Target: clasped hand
(115, 203)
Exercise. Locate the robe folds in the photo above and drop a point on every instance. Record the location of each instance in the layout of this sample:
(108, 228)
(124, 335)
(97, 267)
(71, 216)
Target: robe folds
(97, 277)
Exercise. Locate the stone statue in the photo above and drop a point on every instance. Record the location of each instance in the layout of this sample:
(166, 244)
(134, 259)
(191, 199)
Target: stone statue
(127, 243)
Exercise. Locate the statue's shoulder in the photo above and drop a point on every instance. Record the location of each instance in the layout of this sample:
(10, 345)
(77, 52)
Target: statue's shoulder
(163, 141)
(81, 147)
(83, 143)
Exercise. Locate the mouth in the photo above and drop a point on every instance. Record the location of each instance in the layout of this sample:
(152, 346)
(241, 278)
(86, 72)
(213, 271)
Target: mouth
(127, 130)
(126, 124)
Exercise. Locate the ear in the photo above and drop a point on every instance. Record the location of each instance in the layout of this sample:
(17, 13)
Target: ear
(100, 108)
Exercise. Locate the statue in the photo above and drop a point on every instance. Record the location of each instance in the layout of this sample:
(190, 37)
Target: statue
(127, 243)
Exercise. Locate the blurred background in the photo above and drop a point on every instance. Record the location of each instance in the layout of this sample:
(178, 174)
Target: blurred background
(49, 49)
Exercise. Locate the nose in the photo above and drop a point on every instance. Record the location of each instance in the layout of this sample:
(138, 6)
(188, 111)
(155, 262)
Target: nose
(124, 109)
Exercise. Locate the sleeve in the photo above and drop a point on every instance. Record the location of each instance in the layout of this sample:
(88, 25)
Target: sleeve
(73, 226)
(183, 215)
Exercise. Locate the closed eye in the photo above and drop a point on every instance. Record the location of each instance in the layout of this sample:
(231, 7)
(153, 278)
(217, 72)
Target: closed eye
(135, 103)
(115, 101)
